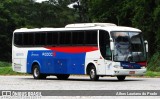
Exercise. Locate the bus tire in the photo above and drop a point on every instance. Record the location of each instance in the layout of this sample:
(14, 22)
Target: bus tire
(121, 78)
(36, 72)
(63, 76)
(93, 74)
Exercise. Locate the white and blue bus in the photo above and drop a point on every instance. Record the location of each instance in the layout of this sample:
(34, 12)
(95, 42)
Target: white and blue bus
(94, 49)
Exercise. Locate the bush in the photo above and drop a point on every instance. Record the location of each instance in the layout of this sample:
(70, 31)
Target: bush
(152, 74)
(154, 63)
(6, 69)
(4, 64)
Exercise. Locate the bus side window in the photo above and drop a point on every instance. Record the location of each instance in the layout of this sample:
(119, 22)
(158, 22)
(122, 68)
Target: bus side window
(40, 39)
(104, 44)
(18, 37)
(52, 38)
(78, 38)
(65, 38)
(28, 39)
(91, 37)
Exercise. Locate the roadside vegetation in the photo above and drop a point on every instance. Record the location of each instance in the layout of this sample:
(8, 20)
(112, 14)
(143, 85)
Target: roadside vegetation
(142, 14)
(152, 74)
(154, 63)
(6, 69)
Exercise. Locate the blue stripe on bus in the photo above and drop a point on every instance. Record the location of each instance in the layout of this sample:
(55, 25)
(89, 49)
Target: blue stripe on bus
(52, 62)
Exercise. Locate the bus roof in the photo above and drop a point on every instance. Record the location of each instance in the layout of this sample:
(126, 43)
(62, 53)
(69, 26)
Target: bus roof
(83, 26)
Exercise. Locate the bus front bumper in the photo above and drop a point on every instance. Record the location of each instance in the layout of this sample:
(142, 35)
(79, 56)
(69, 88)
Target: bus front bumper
(129, 72)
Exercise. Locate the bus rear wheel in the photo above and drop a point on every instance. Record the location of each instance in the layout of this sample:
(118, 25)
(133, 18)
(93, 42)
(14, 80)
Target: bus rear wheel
(121, 78)
(63, 76)
(36, 73)
(93, 74)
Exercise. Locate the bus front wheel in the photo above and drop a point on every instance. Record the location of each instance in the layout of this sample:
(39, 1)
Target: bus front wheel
(121, 78)
(36, 73)
(93, 74)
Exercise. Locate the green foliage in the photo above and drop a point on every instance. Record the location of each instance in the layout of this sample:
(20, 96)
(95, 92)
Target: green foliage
(5, 64)
(27, 13)
(152, 74)
(156, 17)
(154, 63)
(6, 69)
(142, 14)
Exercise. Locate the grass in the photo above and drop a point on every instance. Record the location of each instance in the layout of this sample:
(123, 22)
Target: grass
(152, 74)
(5, 64)
(6, 69)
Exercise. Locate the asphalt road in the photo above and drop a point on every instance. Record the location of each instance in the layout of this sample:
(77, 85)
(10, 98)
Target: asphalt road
(78, 83)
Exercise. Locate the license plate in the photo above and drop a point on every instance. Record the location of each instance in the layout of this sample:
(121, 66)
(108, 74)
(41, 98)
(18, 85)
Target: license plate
(131, 72)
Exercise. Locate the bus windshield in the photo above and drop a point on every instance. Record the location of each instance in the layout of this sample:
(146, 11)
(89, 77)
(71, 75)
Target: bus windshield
(129, 46)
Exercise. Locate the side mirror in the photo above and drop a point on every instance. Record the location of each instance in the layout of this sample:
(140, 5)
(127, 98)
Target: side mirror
(146, 45)
(111, 44)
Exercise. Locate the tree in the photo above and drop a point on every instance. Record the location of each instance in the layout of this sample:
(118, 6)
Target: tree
(134, 13)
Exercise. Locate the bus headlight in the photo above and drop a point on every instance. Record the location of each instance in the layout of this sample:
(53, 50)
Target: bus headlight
(118, 67)
(143, 67)
(121, 67)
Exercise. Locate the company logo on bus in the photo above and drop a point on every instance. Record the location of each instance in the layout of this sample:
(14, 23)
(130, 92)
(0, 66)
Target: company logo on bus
(47, 54)
(130, 66)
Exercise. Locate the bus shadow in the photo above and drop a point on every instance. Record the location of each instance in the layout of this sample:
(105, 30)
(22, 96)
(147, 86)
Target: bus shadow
(87, 79)
(100, 80)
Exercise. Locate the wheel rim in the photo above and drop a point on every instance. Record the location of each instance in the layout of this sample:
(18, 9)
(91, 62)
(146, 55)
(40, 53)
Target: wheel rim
(36, 72)
(92, 73)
